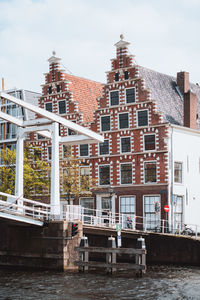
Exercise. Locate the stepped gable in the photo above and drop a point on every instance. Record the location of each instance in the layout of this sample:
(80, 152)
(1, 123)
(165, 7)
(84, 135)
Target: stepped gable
(168, 97)
(85, 92)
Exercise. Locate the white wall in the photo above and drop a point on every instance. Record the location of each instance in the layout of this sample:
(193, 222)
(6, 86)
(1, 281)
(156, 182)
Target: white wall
(186, 149)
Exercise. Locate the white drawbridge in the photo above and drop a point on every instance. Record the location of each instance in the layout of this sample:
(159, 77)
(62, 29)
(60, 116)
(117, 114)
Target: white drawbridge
(48, 126)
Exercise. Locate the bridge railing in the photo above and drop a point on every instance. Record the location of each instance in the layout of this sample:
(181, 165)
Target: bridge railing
(103, 218)
(22, 206)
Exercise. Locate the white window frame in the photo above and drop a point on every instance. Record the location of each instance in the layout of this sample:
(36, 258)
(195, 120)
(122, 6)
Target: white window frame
(48, 103)
(101, 123)
(122, 137)
(126, 196)
(108, 148)
(151, 195)
(122, 113)
(144, 142)
(104, 165)
(65, 107)
(147, 117)
(126, 163)
(135, 94)
(150, 161)
(110, 98)
(79, 149)
(179, 162)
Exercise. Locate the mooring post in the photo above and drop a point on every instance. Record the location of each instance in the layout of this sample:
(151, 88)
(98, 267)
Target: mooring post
(111, 257)
(84, 256)
(140, 259)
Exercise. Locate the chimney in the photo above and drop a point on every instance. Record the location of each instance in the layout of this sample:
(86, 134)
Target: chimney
(190, 110)
(183, 81)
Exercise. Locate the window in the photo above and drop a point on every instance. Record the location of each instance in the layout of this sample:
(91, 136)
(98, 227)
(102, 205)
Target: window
(49, 152)
(84, 150)
(48, 106)
(58, 88)
(142, 117)
(178, 212)
(126, 173)
(130, 95)
(178, 172)
(126, 75)
(116, 76)
(105, 123)
(40, 137)
(125, 144)
(127, 208)
(50, 90)
(71, 132)
(149, 142)
(88, 205)
(152, 212)
(114, 98)
(62, 107)
(84, 178)
(150, 172)
(123, 121)
(104, 147)
(104, 175)
(66, 151)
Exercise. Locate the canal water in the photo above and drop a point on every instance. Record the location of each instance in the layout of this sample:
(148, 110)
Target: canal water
(159, 283)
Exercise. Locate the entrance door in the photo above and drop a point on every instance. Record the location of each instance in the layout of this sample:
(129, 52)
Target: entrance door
(178, 212)
(106, 208)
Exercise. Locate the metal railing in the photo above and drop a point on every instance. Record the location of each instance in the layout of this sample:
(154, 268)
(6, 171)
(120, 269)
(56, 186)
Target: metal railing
(24, 207)
(102, 218)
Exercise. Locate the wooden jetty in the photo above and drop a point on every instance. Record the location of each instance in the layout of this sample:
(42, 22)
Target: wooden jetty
(111, 264)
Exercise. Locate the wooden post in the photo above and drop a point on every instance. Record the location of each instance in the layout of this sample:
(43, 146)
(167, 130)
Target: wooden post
(140, 259)
(84, 256)
(111, 257)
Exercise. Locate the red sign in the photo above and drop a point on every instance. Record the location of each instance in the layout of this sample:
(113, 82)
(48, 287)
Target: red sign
(166, 208)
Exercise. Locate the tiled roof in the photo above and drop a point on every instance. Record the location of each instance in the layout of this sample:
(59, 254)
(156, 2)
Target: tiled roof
(85, 92)
(168, 97)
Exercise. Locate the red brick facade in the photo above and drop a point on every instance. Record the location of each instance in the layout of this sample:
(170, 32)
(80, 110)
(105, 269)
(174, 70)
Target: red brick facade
(137, 160)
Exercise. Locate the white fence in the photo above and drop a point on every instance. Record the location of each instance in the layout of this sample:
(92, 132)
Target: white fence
(102, 218)
(23, 206)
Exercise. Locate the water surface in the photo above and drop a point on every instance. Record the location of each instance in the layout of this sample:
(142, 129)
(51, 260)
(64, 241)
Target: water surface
(160, 282)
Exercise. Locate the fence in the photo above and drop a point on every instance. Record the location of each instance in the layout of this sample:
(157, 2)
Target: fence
(101, 218)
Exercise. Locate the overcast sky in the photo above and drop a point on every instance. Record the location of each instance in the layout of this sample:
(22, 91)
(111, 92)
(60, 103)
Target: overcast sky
(164, 36)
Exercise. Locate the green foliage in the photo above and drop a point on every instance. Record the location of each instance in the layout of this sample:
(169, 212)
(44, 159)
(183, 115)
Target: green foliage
(76, 180)
(36, 180)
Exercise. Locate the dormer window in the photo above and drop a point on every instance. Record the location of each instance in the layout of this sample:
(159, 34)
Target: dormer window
(114, 98)
(50, 89)
(116, 76)
(126, 75)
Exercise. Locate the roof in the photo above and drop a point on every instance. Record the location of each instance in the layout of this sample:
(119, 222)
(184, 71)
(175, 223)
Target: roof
(167, 95)
(85, 92)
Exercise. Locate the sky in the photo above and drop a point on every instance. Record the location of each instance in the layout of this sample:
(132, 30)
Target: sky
(164, 36)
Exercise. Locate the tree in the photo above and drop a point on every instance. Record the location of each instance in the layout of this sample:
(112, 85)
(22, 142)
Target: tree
(36, 178)
(76, 179)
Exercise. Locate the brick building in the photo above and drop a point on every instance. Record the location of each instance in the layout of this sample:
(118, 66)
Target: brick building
(138, 111)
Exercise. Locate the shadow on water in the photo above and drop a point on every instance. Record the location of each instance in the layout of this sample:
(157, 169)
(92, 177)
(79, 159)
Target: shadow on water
(160, 282)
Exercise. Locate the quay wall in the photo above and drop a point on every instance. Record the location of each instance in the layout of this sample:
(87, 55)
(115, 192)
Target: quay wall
(161, 248)
(49, 247)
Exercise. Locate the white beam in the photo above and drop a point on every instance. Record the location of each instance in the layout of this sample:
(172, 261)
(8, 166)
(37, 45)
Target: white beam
(55, 118)
(19, 174)
(76, 139)
(11, 119)
(44, 133)
(36, 122)
(55, 176)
